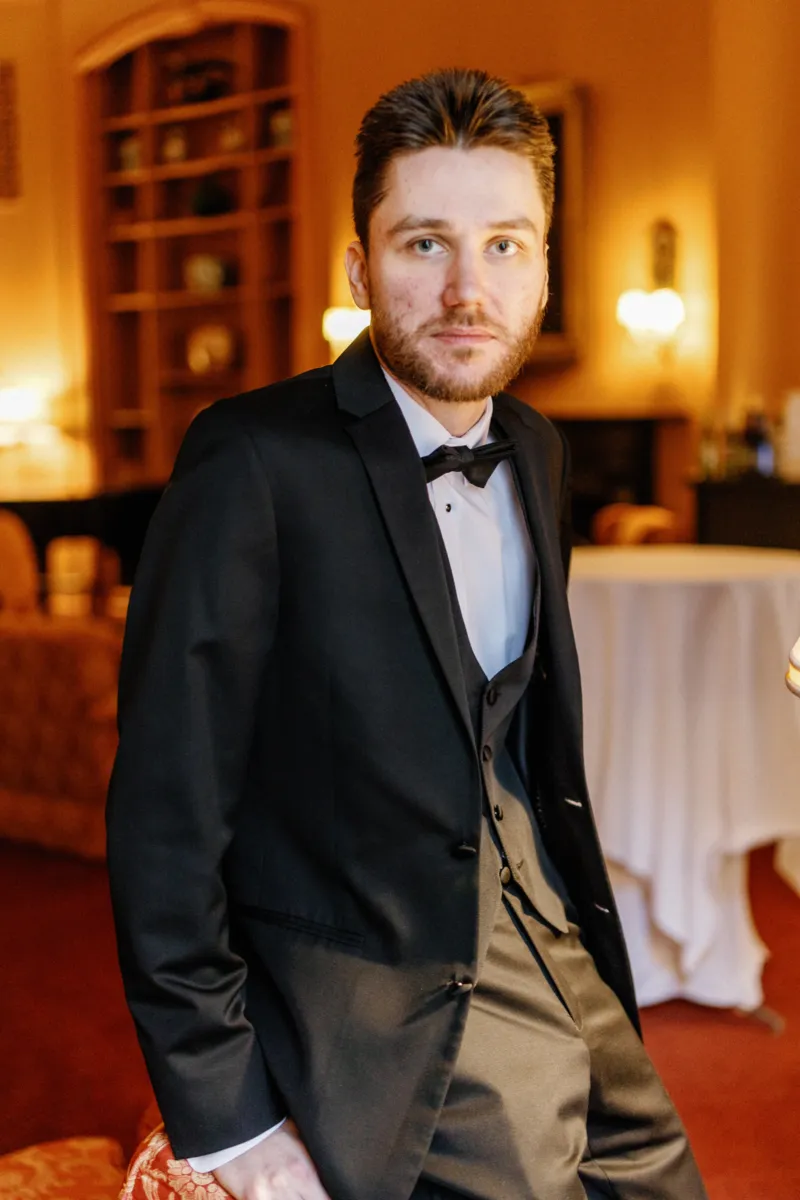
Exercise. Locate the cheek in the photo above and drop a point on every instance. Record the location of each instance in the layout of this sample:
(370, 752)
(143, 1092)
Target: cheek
(407, 300)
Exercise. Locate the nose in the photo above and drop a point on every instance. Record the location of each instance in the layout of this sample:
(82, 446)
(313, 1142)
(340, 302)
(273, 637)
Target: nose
(464, 282)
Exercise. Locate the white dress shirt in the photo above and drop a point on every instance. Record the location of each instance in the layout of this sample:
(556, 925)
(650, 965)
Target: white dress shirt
(491, 558)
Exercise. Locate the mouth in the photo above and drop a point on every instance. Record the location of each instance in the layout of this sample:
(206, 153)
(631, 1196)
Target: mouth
(469, 336)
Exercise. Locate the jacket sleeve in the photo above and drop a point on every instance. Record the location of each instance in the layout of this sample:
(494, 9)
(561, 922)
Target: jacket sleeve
(200, 627)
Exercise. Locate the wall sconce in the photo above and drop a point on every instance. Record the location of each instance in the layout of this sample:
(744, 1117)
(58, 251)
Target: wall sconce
(22, 409)
(655, 316)
(340, 326)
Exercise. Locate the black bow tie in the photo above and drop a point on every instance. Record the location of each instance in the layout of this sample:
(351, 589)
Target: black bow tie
(476, 465)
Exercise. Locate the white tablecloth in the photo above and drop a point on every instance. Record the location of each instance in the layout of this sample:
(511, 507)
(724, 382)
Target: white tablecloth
(692, 750)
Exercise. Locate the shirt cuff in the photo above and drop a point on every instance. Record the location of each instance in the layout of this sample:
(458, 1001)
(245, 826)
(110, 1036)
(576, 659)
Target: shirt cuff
(211, 1162)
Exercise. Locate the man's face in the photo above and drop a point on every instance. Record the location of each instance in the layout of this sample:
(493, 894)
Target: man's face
(456, 275)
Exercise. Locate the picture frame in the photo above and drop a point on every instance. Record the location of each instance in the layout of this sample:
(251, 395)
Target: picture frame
(10, 184)
(561, 338)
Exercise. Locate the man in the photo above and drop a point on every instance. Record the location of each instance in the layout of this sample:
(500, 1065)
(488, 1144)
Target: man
(354, 869)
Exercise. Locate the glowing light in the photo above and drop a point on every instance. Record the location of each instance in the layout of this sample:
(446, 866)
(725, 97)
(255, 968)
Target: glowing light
(654, 316)
(341, 325)
(22, 404)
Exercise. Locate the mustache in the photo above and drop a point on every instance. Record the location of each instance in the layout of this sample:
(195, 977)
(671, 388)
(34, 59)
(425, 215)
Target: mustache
(461, 320)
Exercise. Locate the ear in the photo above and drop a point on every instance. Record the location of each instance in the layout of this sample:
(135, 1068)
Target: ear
(355, 264)
(546, 288)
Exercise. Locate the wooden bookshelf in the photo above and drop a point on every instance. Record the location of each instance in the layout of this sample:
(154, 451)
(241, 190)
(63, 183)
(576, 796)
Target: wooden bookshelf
(196, 194)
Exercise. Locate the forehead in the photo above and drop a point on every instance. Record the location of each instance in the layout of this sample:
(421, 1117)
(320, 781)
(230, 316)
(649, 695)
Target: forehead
(479, 186)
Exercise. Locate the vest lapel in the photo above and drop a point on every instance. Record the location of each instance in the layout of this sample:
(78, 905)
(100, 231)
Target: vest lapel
(383, 440)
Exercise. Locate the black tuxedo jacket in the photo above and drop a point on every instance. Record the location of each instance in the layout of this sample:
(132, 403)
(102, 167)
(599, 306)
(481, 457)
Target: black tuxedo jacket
(297, 766)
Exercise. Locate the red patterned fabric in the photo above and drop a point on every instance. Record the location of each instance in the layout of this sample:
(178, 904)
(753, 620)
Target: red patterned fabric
(155, 1174)
(80, 1168)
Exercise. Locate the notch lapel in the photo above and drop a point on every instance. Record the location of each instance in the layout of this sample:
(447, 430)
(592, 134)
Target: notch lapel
(382, 438)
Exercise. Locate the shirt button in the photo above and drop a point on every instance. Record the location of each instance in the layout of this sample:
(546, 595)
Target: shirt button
(505, 875)
(448, 508)
(487, 754)
(498, 812)
(492, 695)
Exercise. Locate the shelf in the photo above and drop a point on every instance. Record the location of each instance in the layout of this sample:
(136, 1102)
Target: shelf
(122, 302)
(196, 112)
(136, 231)
(187, 299)
(143, 392)
(192, 167)
(128, 121)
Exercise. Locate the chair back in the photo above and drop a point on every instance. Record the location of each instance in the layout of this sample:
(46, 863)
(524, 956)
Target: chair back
(633, 524)
(19, 568)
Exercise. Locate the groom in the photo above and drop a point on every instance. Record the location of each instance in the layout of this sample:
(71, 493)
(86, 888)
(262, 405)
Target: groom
(364, 924)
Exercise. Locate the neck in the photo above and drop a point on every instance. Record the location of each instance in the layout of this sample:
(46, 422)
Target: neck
(457, 417)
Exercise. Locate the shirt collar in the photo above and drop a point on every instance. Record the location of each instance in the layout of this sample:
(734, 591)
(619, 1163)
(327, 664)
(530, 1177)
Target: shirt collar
(428, 433)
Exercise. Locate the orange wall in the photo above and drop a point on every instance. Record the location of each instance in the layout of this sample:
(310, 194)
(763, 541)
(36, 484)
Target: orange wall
(648, 156)
(756, 111)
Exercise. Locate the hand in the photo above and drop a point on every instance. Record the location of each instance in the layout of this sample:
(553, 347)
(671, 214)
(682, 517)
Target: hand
(278, 1168)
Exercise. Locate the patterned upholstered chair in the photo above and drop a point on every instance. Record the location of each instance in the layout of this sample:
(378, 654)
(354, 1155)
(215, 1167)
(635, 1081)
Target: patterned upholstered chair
(155, 1174)
(58, 732)
(80, 1168)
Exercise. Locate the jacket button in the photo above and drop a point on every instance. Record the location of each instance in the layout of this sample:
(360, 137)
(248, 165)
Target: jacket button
(505, 875)
(498, 812)
(574, 803)
(487, 754)
(492, 695)
(465, 850)
(459, 986)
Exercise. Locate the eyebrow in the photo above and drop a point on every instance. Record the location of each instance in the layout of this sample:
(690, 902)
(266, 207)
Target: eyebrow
(411, 223)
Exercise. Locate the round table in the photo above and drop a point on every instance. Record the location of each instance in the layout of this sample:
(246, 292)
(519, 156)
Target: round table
(692, 750)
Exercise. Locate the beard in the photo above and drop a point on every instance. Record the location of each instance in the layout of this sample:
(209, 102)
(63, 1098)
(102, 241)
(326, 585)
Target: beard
(400, 353)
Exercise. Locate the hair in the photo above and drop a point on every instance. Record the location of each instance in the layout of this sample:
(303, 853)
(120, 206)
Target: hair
(453, 107)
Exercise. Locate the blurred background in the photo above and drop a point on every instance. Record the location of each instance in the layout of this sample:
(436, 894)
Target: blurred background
(174, 208)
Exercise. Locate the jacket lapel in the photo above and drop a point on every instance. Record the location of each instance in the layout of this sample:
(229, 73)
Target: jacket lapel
(540, 495)
(382, 438)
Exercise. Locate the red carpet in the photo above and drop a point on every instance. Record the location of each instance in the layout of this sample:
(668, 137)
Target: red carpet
(69, 1063)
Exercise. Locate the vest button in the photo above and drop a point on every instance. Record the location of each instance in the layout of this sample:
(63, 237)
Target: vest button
(487, 754)
(498, 812)
(505, 875)
(492, 695)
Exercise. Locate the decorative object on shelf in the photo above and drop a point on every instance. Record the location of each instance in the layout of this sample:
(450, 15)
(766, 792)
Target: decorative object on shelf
(208, 273)
(281, 129)
(210, 348)
(194, 82)
(175, 145)
(211, 198)
(231, 137)
(655, 316)
(129, 152)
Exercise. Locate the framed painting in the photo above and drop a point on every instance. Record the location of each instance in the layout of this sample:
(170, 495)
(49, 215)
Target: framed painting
(9, 132)
(561, 337)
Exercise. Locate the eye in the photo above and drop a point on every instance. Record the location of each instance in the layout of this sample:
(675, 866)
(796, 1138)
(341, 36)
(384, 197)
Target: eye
(426, 246)
(504, 247)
